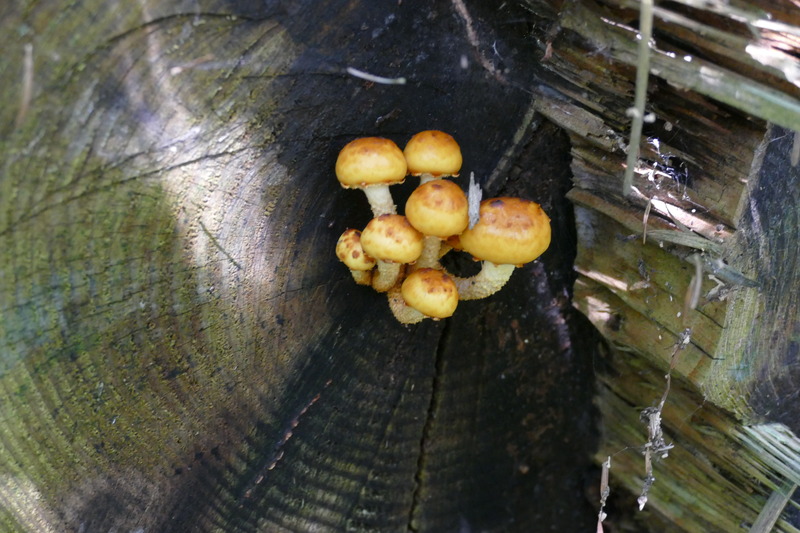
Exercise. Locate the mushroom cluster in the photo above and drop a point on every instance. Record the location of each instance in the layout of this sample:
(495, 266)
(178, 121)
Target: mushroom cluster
(400, 254)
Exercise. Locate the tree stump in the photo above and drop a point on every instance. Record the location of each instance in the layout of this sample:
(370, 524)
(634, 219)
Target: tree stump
(181, 351)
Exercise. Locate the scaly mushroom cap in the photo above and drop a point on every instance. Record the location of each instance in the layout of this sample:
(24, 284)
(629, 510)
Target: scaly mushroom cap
(433, 152)
(350, 252)
(510, 231)
(370, 161)
(431, 292)
(391, 238)
(438, 208)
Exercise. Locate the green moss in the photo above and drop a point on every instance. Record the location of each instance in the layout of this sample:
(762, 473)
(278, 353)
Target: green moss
(111, 322)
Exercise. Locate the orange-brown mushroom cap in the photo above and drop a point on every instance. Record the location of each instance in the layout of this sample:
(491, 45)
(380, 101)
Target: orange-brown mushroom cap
(391, 238)
(431, 292)
(438, 208)
(433, 152)
(370, 161)
(350, 252)
(510, 231)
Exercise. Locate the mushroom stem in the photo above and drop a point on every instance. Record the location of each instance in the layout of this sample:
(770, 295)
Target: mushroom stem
(386, 276)
(433, 249)
(444, 248)
(404, 314)
(488, 281)
(425, 177)
(380, 200)
(362, 277)
(431, 253)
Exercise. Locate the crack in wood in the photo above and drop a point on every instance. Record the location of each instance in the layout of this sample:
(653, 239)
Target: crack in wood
(216, 243)
(278, 449)
(433, 408)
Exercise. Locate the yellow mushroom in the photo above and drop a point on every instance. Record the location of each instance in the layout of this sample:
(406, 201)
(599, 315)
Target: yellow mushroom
(439, 210)
(350, 252)
(372, 164)
(432, 154)
(392, 241)
(509, 233)
(426, 292)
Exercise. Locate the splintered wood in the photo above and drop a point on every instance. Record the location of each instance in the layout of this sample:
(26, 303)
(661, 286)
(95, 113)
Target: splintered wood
(661, 266)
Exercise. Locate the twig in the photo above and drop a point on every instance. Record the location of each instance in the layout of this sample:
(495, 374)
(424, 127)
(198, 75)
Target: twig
(27, 85)
(174, 71)
(640, 96)
(604, 493)
(692, 297)
(474, 200)
(656, 445)
(375, 79)
(645, 218)
(278, 451)
(472, 37)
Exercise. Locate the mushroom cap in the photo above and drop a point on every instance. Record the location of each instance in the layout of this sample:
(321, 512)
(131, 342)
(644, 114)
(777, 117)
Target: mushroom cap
(431, 292)
(433, 152)
(510, 231)
(392, 238)
(370, 161)
(350, 252)
(438, 208)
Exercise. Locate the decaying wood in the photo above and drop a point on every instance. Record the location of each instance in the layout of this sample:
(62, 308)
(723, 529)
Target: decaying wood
(712, 171)
(180, 350)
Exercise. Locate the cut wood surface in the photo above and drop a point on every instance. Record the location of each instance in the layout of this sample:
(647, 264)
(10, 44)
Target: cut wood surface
(180, 350)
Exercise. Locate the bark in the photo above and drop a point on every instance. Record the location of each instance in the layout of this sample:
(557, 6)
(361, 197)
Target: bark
(180, 348)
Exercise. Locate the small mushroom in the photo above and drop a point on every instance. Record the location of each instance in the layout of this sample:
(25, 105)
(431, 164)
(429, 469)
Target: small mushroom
(432, 154)
(372, 164)
(439, 210)
(509, 233)
(392, 241)
(426, 292)
(350, 252)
